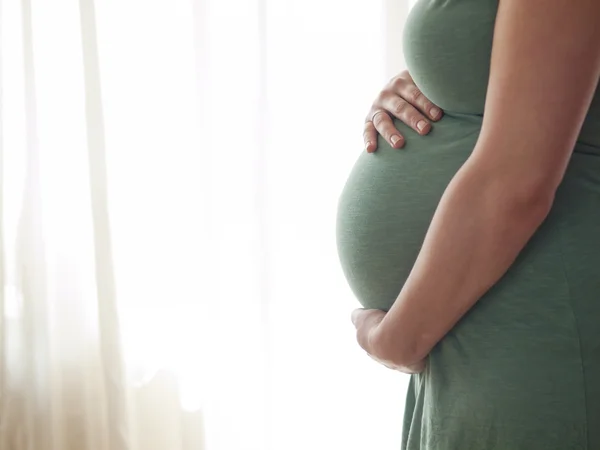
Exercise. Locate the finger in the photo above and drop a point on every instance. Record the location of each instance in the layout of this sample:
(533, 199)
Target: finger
(406, 88)
(365, 322)
(385, 126)
(407, 113)
(370, 137)
(366, 317)
(358, 316)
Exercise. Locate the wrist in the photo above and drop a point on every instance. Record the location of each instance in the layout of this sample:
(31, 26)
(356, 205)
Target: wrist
(392, 343)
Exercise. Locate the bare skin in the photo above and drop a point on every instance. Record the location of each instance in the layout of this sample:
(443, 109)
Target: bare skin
(505, 201)
(402, 99)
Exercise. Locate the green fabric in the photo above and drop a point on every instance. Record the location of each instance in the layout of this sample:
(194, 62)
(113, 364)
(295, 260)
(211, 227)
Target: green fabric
(521, 371)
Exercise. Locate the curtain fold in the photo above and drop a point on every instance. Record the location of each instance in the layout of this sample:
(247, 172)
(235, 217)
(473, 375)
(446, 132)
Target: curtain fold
(109, 335)
(30, 422)
(3, 370)
(169, 179)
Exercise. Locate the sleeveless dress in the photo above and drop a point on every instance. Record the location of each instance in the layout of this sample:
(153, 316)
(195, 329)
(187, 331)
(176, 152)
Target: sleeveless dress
(521, 370)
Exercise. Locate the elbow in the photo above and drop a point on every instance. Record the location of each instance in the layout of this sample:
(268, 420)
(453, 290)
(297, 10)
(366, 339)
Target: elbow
(527, 203)
(523, 199)
(418, 349)
(409, 355)
(404, 349)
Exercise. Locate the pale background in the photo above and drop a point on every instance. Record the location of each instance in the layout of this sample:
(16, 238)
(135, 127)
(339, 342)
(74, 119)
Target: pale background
(170, 172)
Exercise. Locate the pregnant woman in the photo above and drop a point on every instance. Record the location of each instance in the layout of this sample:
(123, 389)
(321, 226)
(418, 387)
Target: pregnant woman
(475, 248)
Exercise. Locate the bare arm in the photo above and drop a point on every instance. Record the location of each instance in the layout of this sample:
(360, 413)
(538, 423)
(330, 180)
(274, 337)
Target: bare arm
(505, 190)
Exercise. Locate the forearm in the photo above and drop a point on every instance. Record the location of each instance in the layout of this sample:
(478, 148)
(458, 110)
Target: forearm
(482, 223)
(540, 88)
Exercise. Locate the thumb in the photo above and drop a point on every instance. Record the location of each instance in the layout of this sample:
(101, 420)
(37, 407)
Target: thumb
(357, 315)
(366, 321)
(366, 317)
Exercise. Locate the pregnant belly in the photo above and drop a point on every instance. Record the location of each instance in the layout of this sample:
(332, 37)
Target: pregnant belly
(387, 204)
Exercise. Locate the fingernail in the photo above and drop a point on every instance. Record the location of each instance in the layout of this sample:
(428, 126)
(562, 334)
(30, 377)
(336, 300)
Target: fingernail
(395, 139)
(355, 314)
(368, 146)
(421, 124)
(435, 112)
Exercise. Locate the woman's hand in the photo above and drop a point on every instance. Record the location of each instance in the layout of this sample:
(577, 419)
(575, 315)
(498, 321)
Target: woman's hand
(402, 99)
(370, 336)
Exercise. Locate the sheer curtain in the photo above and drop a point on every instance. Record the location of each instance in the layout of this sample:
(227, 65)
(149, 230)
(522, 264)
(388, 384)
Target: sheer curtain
(170, 172)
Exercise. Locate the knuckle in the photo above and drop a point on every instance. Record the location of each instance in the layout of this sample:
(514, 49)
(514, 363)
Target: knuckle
(380, 98)
(392, 80)
(371, 116)
(404, 74)
(379, 119)
(414, 95)
(400, 107)
(397, 83)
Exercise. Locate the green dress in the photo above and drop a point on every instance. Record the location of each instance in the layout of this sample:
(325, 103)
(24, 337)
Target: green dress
(521, 371)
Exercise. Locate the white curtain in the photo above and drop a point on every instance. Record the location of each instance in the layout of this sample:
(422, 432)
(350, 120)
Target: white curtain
(170, 172)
